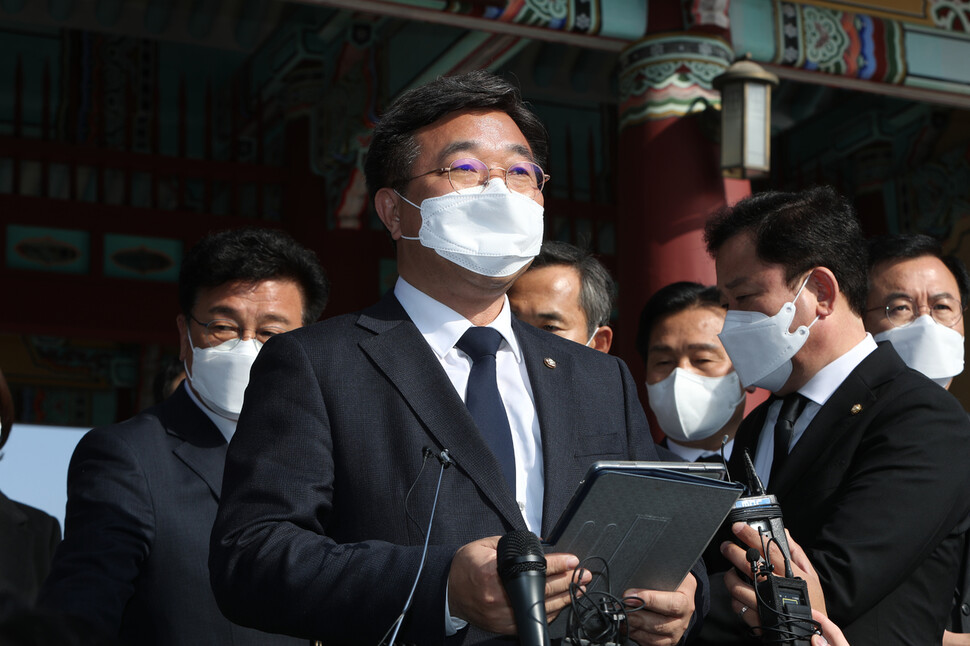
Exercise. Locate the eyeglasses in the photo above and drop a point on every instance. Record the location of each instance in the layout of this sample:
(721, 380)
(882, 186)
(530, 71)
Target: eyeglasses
(522, 177)
(219, 331)
(901, 311)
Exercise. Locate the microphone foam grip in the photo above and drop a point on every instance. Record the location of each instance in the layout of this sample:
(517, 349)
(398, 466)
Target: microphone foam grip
(520, 551)
(522, 568)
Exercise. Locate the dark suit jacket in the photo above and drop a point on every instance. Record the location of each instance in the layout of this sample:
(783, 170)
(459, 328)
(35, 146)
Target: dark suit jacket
(142, 496)
(876, 491)
(28, 538)
(960, 614)
(317, 534)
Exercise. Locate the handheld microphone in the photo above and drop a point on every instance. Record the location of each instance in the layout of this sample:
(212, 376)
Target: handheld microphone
(522, 568)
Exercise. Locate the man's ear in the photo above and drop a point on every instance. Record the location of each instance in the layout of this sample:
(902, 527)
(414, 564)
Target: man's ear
(185, 350)
(603, 339)
(825, 286)
(386, 203)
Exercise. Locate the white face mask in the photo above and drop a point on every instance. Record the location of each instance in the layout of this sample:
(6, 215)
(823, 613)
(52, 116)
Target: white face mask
(494, 232)
(219, 375)
(761, 347)
(692, 407)
(925, 345)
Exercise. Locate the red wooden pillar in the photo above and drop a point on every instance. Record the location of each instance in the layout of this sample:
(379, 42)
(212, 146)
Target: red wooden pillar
(669, 175)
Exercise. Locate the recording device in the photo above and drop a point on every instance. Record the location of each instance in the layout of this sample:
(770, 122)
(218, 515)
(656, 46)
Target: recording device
(443, 457)
(783, 602)
(761, 511)
(522, 568)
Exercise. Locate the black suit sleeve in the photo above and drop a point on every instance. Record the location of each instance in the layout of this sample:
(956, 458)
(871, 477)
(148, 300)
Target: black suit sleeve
(109, 531)
(897, 501)
(272, 564)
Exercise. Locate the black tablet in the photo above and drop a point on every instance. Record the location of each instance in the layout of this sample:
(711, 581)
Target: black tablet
(646, 523)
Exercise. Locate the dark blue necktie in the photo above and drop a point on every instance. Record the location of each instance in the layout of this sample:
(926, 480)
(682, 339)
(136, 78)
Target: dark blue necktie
(483, 399)
(791, 407)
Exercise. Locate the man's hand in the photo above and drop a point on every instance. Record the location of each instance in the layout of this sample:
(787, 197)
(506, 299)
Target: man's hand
(831, 635)
(742, 593)
(665, 616)
(954, 639)
(476, 593)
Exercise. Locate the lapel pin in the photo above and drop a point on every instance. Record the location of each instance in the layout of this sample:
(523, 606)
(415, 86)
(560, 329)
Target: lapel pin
(550, 363)
(856, 409)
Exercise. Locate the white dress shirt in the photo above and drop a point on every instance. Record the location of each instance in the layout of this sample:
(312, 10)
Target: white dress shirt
(690, 454)
(817, 390)
(441, 327)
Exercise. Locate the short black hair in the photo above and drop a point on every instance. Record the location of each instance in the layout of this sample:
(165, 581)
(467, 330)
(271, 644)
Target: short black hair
(253, 254)
(905, 246)
(596, 286)
(671, 299)
(800, 231)
(393, 149)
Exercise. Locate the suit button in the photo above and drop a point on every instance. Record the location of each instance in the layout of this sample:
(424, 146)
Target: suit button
(965, 609)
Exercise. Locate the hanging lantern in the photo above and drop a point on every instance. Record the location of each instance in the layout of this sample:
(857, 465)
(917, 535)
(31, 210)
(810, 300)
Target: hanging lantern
(745, 119)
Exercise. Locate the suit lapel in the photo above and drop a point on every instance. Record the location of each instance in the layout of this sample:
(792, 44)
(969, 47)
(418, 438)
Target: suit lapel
(201, 446)
(839, 414)
(747, 439)
(401, 353)
(10, 514)
(553, 408)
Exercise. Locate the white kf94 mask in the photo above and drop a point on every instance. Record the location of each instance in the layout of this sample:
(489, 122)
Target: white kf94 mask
(761, 347)
(492, 232)
(692, 407)
(926, 346)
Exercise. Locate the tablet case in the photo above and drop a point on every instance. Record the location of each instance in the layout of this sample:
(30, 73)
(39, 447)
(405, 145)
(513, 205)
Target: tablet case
(649, 522)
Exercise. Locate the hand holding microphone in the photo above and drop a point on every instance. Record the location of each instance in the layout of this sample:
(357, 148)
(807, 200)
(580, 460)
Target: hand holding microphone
(522, 568)
(477, 594)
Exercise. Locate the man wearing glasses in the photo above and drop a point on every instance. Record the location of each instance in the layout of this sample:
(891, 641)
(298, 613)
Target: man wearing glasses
(868, 459)
(328, 492)
(142, 494)
(917, 297)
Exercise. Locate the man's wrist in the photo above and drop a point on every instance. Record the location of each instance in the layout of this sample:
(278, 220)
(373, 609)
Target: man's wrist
(452, 624)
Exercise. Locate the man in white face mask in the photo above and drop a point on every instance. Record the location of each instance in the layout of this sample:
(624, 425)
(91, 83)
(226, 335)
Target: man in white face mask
(568, 292)
(142, 495)
(317, 533)
(692, 386)
(855, 444)
(917, 298)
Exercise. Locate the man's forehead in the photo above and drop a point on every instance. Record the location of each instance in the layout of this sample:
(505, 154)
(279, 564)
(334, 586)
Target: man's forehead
(473, 146)
(913, 273)
(266, 295)
(552, 290)
(472, 130)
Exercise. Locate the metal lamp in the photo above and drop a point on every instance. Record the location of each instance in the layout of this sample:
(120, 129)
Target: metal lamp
(745, 119)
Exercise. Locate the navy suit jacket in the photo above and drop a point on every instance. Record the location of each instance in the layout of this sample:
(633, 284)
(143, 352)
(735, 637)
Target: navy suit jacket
(876, 491)
(28, 537)
(142, 496)
(326, 499)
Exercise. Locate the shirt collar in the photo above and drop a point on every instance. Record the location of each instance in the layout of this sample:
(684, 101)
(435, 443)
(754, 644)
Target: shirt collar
(691, 454)
(225, 425)
(442, 326)
(820, 387)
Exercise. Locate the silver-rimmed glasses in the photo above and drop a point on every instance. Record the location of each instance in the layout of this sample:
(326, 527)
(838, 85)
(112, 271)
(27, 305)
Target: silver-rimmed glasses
(219, 331)
(902, 310)
(522, 177)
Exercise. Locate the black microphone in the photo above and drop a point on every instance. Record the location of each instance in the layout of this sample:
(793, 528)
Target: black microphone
(522, 568)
